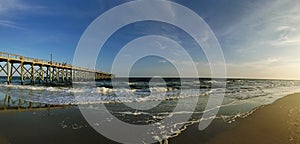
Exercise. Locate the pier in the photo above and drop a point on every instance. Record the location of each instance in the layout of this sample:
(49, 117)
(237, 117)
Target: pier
(32, 70)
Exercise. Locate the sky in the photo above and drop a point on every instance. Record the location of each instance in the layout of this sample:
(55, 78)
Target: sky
(259, 38)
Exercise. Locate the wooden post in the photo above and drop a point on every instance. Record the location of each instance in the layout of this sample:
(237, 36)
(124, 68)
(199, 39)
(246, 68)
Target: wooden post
(74, 75)
(71, 75)
(67, 75)
(63, 75)
(57, 75)
(32, 74)
(47, 74)
(8, 71)
(51, 74)
(42, 73)
(22, 73)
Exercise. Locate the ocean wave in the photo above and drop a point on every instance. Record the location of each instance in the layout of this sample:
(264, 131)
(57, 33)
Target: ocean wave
(92, 95)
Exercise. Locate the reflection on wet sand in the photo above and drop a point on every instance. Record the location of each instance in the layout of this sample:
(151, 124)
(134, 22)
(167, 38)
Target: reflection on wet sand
(10, 103)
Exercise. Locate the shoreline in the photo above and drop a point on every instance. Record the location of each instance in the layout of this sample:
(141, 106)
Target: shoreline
(278, 122)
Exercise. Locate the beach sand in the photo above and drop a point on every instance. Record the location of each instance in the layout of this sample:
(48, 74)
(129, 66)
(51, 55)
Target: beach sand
(57, 126)
(277, 123)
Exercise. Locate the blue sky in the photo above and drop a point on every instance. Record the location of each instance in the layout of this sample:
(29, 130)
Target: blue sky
(260, 39)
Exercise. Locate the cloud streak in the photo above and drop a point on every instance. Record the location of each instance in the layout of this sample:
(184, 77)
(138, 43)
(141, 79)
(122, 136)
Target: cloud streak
(11, 24)
(10, 11)
(7, 6)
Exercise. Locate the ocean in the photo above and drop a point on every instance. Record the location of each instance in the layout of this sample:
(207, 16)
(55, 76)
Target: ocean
(144, 101)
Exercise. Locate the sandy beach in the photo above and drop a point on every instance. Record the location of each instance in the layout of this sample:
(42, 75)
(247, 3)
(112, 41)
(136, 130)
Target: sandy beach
(275, 123)
(57, 126)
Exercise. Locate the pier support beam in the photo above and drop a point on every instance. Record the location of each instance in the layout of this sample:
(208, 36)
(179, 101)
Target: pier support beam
(22, 73)
(8, 71)
(32, 78)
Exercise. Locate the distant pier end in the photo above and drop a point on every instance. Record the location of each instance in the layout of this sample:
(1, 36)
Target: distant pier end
(34, 70)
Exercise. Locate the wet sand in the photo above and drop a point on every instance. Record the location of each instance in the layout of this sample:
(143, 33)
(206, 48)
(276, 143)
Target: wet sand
(57, 126)
(275, 123)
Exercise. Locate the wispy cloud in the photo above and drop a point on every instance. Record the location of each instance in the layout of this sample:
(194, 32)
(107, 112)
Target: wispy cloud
(10, 5)
(286, 41)
(264, 41)
(287, 36)
(162, 61)
(11, 24)
(268, 29)
(11, 9)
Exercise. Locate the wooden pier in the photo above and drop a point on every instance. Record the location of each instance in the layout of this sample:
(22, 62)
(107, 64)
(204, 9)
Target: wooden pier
(44, 71)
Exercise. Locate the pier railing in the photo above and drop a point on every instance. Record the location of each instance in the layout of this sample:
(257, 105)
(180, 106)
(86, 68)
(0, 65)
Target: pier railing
(33, 60)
